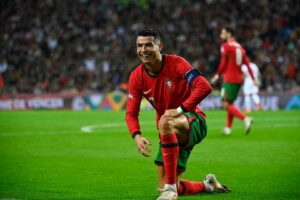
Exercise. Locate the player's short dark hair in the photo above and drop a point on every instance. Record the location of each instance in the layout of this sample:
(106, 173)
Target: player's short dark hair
(150, 32)
(230, 30)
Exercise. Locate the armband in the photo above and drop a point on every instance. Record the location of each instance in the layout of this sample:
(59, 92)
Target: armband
(191, 75)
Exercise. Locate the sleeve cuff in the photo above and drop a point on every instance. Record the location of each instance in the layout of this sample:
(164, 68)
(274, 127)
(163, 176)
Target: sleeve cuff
(136, 133)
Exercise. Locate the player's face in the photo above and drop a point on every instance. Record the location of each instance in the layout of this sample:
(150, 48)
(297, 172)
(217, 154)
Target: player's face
(147, 49)
(223, 34)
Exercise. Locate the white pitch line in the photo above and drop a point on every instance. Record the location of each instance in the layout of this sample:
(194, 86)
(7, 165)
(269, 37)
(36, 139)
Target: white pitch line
(90, 128)
(213, 124)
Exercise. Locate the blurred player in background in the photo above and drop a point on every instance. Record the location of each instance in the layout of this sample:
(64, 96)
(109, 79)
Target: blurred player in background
(233, 55)
(250, 89)
(3, 68)
(174, 89)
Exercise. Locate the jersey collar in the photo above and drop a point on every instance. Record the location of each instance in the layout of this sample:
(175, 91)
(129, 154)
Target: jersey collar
(155, 75)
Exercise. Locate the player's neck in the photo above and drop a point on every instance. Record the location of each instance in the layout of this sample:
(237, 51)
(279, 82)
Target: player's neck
(153, 69)
(230, 39)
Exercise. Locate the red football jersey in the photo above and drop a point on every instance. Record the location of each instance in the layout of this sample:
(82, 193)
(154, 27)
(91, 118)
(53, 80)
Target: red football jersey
(233, 55)
(168, 90)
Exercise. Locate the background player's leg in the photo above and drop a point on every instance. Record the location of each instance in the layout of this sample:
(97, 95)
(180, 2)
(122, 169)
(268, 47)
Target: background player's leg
(247, 103)
(229, 121)
(233, 110)
(256, 100)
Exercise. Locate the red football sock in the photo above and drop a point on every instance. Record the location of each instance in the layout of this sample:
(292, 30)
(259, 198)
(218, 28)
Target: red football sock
(190, 187)
(229, 119)
(170, 150)
(235, 112)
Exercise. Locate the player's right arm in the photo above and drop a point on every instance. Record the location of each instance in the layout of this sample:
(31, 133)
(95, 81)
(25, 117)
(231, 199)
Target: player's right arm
(142, 145)
(132, 112)
(222, 65)
(133, 105)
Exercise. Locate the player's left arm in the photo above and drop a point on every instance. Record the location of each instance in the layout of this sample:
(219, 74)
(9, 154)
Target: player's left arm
(199, 85)
(200, 89)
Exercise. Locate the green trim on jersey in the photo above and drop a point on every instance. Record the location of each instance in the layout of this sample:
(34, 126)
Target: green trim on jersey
(198, 130)
(230, 91)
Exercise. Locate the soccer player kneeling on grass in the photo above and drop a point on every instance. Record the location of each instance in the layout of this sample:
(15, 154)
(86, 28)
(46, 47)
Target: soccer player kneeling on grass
(174, 89)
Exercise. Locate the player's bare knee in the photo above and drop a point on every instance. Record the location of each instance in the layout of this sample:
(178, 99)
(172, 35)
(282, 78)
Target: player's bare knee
(164, 125)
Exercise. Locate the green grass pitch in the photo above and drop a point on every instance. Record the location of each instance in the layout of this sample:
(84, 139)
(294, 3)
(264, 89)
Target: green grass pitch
(46, 155)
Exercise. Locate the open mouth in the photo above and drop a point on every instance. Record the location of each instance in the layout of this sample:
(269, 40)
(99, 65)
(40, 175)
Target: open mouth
(145, 56)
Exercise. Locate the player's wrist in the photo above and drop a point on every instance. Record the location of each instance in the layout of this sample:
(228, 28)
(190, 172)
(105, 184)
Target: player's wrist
(136, 133)
(181, 109)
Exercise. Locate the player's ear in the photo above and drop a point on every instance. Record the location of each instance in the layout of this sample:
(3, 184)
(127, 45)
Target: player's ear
(161, 46)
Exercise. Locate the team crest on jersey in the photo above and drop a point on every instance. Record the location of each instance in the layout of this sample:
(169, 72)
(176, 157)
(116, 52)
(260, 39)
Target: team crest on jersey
(170, 85)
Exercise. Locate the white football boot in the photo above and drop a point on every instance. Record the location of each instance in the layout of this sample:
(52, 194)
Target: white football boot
(248, 122)
(227, 131)
(168, 194)
(212, 184)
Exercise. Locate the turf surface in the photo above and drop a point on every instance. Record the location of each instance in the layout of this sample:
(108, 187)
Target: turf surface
(46, 155)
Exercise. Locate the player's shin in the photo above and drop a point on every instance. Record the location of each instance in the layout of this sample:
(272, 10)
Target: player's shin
(170, 151)
(229, 120)
(232, 109)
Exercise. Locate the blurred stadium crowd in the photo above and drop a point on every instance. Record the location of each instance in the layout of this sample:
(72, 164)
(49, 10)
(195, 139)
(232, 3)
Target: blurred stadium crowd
(89, 45)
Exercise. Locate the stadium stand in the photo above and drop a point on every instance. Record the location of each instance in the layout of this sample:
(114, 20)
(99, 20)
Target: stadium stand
(88, 45)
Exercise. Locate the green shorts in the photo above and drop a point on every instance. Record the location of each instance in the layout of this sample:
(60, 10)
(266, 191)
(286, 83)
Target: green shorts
(197, 133)
(230, 91)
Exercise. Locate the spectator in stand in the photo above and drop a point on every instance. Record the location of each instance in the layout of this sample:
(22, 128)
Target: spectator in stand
(45, 39)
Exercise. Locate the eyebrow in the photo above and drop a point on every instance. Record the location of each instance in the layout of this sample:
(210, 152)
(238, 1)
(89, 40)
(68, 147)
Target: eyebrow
(140, 43)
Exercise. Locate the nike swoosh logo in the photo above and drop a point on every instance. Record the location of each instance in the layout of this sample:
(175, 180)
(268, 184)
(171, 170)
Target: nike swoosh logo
(146, 92)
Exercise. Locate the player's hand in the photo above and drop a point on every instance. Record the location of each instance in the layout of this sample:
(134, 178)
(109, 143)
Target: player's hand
(214, 79)
(171, 113)
(256, 82)
(143, 145)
